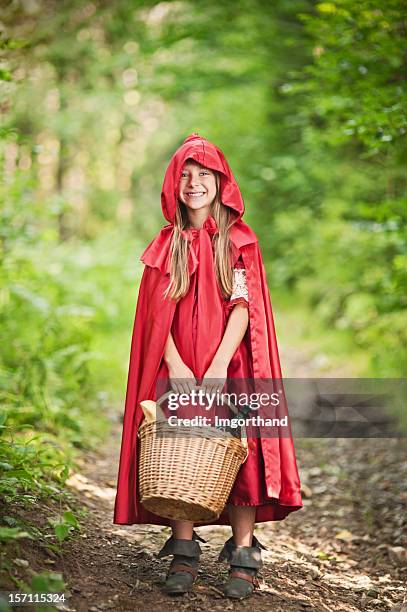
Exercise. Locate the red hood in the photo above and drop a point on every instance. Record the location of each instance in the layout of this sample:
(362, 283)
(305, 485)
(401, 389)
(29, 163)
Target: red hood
(207, 154)
(158, 252)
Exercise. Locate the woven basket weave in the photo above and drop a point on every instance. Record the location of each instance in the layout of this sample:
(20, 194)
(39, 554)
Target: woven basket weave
(187, 473)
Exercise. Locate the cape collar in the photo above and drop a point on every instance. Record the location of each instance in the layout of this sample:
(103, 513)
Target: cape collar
(158, 252)
(209, 226)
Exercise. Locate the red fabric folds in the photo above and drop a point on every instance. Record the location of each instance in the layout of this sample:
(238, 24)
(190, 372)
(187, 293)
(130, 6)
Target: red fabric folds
(269, 479)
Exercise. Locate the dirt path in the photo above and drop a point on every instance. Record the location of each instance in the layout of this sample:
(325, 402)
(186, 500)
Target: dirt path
(345, 550)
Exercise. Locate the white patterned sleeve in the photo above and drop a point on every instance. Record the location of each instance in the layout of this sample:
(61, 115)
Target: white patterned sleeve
(240, 292)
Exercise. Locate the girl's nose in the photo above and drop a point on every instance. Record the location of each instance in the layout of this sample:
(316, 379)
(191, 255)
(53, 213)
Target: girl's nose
(193, 180)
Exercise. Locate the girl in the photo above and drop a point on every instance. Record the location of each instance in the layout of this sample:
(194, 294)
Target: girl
(204, 314)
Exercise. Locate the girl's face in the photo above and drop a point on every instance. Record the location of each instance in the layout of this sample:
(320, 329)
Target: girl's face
(197, 186)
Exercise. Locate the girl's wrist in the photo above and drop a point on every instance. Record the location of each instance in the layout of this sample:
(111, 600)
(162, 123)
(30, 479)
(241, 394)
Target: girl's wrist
(221, 361)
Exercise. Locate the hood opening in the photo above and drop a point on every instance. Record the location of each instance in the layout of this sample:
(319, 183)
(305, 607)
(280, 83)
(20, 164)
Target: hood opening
(199, 149)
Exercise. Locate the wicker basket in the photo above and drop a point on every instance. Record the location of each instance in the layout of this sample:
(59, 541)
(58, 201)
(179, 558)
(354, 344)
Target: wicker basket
(187, 473)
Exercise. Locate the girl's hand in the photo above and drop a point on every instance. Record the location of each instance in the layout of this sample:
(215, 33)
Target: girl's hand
(182, 378)
(215, 377)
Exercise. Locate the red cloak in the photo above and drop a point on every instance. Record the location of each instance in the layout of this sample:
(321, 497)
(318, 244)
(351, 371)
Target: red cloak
(271, 471)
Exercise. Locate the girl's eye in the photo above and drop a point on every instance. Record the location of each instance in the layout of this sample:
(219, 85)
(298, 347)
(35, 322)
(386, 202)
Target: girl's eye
(185, 175)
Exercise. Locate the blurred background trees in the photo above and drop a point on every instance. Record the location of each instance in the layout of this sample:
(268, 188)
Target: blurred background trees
(308, 102)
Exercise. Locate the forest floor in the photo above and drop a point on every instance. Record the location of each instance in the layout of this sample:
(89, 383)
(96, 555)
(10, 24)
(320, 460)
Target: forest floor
(346, 549)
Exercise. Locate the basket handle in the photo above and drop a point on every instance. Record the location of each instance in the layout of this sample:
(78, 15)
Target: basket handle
(233, 408)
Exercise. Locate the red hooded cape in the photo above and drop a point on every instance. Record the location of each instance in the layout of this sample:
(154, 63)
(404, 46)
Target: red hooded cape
(156, 316)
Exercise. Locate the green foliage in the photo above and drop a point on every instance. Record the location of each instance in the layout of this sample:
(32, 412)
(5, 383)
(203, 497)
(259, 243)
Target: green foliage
(352, 103)
(47, 582)
(12, 533)
(357, 81)
(64, 526)
(44, 353)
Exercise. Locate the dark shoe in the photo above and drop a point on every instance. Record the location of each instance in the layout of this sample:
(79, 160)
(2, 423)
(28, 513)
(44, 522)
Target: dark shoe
(245, 562)
(184, 566)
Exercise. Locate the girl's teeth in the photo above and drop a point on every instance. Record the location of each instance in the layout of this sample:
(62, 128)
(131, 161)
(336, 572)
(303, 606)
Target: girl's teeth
(196, 195)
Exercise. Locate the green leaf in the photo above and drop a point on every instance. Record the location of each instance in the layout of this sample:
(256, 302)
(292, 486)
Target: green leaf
(12, 533)
(62, 531)
(5, 75)
(47, 582)
(71, 519)
(64, 474)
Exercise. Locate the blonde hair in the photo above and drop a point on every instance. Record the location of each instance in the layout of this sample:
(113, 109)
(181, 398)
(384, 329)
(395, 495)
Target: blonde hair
(179, 275)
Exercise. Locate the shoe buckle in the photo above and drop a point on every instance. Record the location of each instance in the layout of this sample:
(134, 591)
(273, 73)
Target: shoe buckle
(181, 567)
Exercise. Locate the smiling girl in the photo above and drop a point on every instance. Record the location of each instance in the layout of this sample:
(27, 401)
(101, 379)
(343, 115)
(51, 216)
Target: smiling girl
(204, 314)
